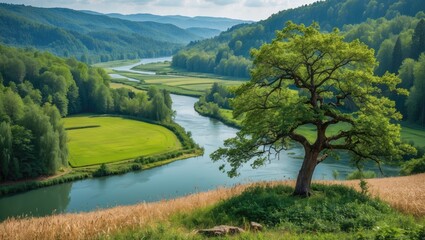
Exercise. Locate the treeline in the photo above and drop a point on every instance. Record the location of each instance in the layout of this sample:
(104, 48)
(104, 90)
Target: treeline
(219, 95)
(222, 63)
(37, 89)
(213, 101)
(399, 44)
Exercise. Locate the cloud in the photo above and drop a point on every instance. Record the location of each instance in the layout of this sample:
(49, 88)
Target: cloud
(242, 9)
(169, 3)
(222, 2)
(264, 3)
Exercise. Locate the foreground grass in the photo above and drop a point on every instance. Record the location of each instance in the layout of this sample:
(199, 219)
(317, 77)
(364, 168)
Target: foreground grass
(333, 212)
(94, 139)
(160, 220)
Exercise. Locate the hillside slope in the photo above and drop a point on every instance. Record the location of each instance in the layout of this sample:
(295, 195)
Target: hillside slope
(221, 24)
(403, 193)
(234, 45)
(67, 32)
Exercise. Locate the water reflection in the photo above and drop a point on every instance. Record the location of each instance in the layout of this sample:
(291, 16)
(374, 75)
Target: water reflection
(40, 202)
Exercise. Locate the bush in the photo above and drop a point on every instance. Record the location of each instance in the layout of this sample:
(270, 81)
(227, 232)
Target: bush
(102, 171)
(361, 175)
(413, 166)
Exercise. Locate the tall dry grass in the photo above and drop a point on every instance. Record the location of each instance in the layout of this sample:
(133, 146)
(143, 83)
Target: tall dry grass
(404, 193)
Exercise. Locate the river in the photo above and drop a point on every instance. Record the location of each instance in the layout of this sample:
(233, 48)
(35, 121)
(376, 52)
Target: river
(173, 180)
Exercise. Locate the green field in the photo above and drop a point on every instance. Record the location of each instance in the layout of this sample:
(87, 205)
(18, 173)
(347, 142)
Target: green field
(117, 63)
(120, 85)
(184, 85)
(161, 67)
(413, 133)
(98, 139)
(165, 68)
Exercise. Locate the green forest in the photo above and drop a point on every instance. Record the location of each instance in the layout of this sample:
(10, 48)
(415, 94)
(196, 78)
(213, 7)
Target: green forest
(394, 29)
(87, 37)
(37, 89)
(229, 53)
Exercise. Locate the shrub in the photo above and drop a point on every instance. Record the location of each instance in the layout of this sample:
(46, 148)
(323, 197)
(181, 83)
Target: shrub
(102, 171)
(361, 175)
(413, 166)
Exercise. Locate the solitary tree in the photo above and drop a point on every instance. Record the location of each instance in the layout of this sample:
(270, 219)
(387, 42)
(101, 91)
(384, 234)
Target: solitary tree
(304, 78)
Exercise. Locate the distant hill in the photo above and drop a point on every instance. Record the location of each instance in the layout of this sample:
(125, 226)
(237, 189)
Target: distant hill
(204, 32)
(89, 37)
(184, 22)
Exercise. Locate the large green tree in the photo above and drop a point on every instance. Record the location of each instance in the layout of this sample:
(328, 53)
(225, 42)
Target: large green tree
(304, 78)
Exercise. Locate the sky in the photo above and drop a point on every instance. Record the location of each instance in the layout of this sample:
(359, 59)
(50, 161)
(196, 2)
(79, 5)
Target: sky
(238, 9)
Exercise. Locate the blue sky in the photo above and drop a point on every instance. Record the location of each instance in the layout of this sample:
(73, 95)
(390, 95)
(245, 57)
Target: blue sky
(240, 9)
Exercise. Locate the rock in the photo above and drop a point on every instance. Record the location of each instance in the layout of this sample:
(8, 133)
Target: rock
(256, 226)
(221, 230)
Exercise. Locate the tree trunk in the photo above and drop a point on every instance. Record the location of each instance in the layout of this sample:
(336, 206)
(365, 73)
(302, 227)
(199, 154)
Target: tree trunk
(302, 187)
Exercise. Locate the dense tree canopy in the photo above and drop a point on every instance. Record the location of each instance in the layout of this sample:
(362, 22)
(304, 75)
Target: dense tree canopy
(37, 90)
(304, 77)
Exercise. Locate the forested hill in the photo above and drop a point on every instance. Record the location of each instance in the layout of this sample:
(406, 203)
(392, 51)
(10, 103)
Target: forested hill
(88, 37)
(228, 53)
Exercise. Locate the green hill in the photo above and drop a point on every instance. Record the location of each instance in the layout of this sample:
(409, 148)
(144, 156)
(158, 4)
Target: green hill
(91, 38)
(227, 53)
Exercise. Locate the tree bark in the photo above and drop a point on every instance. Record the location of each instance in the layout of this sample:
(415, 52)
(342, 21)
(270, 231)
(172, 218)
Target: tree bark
(302, 187)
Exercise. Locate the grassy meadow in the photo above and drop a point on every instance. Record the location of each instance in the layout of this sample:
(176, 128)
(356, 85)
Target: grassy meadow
(96, 139)
(179, 218)
(120, 85)
(117, 63)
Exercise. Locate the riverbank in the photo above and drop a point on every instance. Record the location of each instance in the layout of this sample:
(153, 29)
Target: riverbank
(226, 119)
(75, 174)
(187, 149)
(406, 194)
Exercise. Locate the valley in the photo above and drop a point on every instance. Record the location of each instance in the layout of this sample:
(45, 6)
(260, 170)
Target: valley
(179, 120)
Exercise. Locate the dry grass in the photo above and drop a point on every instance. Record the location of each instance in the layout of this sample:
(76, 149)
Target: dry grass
(404, 193)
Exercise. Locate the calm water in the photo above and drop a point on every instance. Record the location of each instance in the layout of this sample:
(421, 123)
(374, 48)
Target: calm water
(176, 179)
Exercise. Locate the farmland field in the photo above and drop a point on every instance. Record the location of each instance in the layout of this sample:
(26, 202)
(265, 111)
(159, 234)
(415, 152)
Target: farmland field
(120, 85)
(174, 80)
(117, 63)
(185, 85)
(94, 139)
